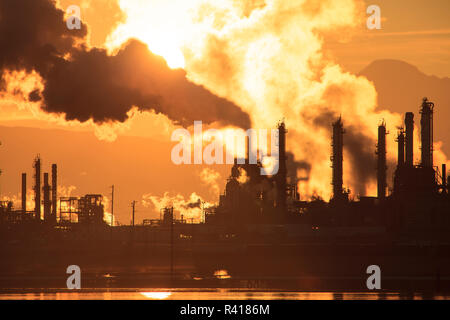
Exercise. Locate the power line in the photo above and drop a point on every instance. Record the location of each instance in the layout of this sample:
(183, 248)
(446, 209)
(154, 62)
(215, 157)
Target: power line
(112, 205)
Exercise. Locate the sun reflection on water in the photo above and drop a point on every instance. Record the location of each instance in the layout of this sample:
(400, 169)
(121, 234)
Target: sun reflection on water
(157, 295)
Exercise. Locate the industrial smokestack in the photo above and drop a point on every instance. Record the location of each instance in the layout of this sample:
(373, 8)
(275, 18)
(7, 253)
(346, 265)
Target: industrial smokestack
(54, 191)
(426, 125)
(281, 175)
(46, 190)
(24, 192)
(409, 123)
(247, 149)
(381, 161)
(37, 188)
(401, 148)
(337, 158)
(444, 178)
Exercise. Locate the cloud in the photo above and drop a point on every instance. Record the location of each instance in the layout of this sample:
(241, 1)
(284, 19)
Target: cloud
(85, 83)
(210, 177)
(190, 208)
(272, 62)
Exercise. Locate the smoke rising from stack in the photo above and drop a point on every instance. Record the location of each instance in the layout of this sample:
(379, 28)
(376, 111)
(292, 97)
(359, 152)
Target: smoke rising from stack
(337, 159)
(358, 151)
(401, 147)
(293, 166)
(193, 204)
(271, 60)
(266, 56)
(426, 133)
(86, 83)
(190, 206)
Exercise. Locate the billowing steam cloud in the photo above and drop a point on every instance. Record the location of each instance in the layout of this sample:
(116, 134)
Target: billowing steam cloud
(193, 204)
(191, 207)
(211, 178)
(269, 58)
(264, 55)
(86, 83)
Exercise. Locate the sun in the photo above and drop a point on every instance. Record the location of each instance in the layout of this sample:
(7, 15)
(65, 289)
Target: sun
(164, 26)
(169, 49)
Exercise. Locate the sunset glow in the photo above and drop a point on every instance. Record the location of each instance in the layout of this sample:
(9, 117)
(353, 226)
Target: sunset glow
(156, 295)
(165, 26)
(224, 149)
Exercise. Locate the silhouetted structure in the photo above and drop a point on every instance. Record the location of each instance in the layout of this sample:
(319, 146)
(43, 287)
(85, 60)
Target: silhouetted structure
(337, 160)
(24, 192)
(54, 192)
(282, 171)
(47, 203)
(37, 188)
(426, 131)
(409, 124)
(168, 217)
(401, 148)
(381, 162)
(417, 181)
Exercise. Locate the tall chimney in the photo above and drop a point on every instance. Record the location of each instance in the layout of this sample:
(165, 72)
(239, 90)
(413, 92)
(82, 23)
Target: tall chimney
(24, 192)
(37, 188)
(444, 178)
(337, 158)
(281, 175)
(54, 191)
(381, 161)
(46, 190)
(409, 123)
(401, 148)
(247, 150)
(426, 132)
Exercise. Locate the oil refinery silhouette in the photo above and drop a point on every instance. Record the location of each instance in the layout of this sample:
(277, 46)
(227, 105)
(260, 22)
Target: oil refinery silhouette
(260, 234)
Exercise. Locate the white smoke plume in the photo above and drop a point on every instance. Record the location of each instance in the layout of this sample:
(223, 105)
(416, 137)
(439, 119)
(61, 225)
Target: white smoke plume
(191, 208)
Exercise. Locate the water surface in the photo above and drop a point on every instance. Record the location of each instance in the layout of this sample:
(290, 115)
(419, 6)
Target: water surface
(208, 294)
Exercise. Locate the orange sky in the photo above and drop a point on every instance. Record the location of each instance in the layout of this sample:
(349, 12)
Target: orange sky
(415, 31)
